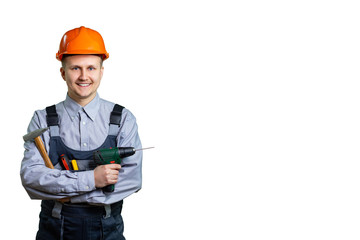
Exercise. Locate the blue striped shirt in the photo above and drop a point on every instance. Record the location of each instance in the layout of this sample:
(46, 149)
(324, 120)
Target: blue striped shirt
(84, 129)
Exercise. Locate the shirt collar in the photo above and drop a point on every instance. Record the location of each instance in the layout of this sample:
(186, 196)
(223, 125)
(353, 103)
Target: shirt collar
(91, 109)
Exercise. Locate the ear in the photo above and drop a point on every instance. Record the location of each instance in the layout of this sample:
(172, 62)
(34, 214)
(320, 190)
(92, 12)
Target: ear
(102, 71)
(62, 71)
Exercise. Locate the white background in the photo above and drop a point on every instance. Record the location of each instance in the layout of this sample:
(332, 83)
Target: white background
(253, 107)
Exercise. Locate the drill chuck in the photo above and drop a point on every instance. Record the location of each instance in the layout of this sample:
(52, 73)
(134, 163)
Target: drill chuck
(126, 152)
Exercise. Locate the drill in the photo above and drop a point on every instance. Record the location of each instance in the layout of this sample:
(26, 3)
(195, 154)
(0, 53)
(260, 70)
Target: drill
(113, 155)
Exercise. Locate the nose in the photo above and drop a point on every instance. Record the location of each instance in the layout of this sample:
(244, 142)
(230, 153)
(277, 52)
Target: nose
(82, 75)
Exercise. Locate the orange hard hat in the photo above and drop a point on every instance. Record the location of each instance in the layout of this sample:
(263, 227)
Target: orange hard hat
(82, 40)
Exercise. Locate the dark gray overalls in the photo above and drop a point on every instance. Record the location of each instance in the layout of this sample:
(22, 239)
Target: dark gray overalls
(79, 221)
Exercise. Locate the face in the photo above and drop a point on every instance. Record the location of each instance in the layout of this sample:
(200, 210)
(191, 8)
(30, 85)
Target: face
(82, 74)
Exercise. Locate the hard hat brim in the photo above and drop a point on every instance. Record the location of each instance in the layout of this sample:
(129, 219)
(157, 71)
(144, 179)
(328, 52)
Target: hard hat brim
(60, 56)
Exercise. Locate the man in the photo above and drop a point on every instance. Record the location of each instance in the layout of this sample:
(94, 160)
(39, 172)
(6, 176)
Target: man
(74, 204)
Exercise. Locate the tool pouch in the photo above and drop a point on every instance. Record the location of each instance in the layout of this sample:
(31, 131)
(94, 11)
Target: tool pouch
(83, 165)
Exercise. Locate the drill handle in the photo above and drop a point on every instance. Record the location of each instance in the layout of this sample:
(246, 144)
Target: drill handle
(108, 188)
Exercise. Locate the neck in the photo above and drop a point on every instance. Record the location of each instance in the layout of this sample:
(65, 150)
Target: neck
(82, 101)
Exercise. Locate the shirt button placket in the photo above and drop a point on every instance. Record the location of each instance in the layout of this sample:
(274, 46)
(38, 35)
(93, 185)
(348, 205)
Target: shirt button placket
(83, 132)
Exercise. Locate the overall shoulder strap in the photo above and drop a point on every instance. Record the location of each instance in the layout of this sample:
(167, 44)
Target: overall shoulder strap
(115, 119)
(52, 117)
(52, 120)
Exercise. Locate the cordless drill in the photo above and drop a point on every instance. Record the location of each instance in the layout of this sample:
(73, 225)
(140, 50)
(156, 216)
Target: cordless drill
(113, 155)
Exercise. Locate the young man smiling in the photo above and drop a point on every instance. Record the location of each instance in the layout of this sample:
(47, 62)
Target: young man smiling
(74, 205)
(82, 74)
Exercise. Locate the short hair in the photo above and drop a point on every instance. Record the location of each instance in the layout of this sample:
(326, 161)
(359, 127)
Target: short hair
(69, 55)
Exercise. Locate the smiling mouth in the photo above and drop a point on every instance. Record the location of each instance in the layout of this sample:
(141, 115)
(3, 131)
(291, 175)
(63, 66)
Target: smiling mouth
(83, 84)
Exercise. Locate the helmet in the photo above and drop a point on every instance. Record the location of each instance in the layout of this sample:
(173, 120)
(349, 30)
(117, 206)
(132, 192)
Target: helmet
(82, 40)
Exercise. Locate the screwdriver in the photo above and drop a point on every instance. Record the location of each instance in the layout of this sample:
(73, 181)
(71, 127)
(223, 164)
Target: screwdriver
(65, 162)
(74, 165)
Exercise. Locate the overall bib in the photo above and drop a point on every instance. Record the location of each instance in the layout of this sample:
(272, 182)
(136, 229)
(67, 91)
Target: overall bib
(80, 221)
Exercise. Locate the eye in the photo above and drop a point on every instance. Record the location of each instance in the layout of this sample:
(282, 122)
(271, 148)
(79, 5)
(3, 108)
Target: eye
(91, 68)
(75, 68)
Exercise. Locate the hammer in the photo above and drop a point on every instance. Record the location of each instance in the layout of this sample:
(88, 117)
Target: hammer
(39, 144)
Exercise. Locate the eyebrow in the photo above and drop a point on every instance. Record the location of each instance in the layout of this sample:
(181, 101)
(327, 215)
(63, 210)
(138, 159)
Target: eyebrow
(78, 66)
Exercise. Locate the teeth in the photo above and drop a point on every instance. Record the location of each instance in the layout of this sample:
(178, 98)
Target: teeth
(84, 84)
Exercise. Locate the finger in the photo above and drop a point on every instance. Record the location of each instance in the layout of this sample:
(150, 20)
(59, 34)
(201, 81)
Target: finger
(112, 171)
(114, 176)
(114, 166)
(111, 178)
(114, 179)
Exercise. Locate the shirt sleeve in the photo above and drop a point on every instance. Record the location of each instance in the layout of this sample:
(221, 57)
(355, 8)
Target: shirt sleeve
(41, 182)
(130, 174)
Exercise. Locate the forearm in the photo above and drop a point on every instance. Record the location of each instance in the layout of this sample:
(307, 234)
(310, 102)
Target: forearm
(55, 184)
(43, 183)
(129, 182)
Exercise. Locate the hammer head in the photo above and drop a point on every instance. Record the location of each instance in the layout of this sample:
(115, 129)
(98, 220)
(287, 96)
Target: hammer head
(34, 134)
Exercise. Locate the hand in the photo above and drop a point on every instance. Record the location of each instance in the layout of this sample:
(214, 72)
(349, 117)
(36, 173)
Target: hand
(106, 174)
(64, 200)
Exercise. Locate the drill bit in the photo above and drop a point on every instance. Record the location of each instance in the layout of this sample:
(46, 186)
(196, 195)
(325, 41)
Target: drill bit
(142, 149)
